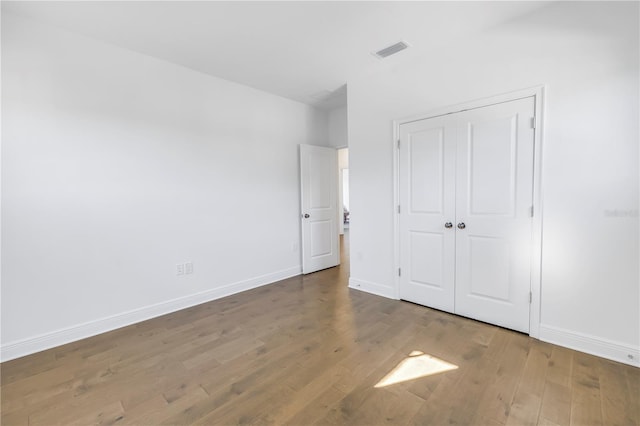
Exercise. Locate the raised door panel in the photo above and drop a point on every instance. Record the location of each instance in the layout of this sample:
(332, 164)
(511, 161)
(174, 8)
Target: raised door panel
(488, 268)
(491, 150)
(426, 251)
(321, 238)
(320, 194)
(426, 168)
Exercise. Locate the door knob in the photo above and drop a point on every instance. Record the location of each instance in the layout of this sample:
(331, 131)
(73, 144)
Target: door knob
(306, 215)
(461, 225)
(448, 225)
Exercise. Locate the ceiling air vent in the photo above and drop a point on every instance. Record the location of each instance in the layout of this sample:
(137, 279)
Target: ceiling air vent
(390, 50)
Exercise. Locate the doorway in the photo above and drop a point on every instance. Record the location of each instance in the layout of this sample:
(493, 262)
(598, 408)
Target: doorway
(343, 191)
(345, 211)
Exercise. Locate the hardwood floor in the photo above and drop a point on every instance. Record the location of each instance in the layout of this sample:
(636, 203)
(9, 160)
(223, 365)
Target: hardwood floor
(308, 350)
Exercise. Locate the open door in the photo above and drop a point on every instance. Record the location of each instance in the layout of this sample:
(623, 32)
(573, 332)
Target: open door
(319, 208)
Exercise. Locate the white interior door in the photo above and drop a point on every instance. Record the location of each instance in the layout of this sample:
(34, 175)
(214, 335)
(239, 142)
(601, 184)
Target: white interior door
(319, 199)
(427, 200)
(466, 191)
(494, 191)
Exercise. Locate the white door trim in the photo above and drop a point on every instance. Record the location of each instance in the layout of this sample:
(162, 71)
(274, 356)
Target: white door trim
(536, 258)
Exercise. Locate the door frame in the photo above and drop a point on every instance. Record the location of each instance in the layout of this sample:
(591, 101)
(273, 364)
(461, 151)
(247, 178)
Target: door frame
(537, 92)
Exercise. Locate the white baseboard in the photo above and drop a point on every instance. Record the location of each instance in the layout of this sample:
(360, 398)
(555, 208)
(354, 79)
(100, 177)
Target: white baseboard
(614, 351)
(39, 343)
(373, 288)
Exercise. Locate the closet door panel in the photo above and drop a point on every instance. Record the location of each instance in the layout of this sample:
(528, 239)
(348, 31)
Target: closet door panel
(494, 192)
(427, 201)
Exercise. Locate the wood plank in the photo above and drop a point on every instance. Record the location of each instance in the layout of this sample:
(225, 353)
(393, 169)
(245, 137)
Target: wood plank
(585, 398)
(633, 386)
(524, 409)
(384, 407)
(617, 400)
(495, 404)
(556, 403)
(560, 366)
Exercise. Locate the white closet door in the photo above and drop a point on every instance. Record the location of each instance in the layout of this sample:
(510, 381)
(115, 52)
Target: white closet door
(494, 193)
(427, 202)
(473, 170)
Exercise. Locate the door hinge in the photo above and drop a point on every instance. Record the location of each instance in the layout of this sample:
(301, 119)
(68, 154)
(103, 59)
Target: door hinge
(531, 211)
(530, 297)
(398, 208)
(398, 144)
(533, 122)
(399, 272)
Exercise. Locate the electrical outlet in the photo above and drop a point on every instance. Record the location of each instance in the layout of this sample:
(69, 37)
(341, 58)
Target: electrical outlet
(180, 269)
(188, 268)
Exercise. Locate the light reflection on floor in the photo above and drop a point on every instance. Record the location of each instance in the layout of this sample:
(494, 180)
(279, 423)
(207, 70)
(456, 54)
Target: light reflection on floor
(416, 365)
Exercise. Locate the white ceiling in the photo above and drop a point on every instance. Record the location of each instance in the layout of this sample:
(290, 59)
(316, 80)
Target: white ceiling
(301, 50)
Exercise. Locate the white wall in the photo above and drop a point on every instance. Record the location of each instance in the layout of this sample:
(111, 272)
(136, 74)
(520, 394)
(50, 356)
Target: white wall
(117, 166)
(338, 127)
(337, 119)
(587, 56)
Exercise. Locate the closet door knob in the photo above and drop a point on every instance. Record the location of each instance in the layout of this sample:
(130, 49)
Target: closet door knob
(461, 225)
(448, 225)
